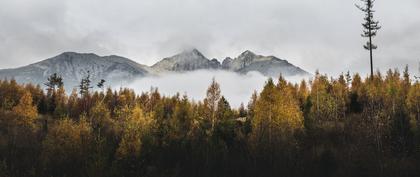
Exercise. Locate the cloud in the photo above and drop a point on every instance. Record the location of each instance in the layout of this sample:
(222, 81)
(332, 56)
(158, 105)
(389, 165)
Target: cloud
(235, 87)
(308, 33)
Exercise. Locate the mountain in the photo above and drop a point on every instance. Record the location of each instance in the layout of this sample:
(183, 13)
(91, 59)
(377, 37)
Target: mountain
(191, 60)
(75, 66)
(267, 65)
(188, 60)
(118, 70)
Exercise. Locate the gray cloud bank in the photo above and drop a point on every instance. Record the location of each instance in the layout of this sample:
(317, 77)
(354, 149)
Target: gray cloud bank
(311, 34)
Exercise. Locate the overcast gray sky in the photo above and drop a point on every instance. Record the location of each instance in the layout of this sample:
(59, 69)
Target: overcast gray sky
(313, 34)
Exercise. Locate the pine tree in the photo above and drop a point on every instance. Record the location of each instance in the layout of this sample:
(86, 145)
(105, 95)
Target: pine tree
(85, 85)
(242, 112)
(84, 90)
(101, 83)
(183, 118)
(251, 104)
(224, 110)
(54, 81)
(371, 28)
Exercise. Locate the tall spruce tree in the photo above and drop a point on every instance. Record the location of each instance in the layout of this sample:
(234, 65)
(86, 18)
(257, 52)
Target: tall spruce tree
(370, 28)
(85, 85)
(54, 81)
(101, 83)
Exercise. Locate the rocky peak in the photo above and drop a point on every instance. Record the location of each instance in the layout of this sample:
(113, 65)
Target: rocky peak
(71, 55)
(247, 54)
(192, 53)
(227, 62)
(187, 60)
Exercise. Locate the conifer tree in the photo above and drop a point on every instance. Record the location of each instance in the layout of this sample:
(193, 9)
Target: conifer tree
(183, 117)
(370, 27)
(251, 104)
(224, 110)
(85, 85)
(84, 91)
(54, 82)
(101, 83)
(242, 111)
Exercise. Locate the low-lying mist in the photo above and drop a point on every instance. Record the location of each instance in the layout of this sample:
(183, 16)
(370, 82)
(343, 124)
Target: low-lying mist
(236, 88)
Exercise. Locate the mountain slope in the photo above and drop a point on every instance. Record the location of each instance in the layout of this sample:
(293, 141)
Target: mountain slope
(74, 66)
(267, 65)
(189, 60)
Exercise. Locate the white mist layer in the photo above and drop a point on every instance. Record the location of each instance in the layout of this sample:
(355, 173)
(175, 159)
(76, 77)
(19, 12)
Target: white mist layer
(236, 88)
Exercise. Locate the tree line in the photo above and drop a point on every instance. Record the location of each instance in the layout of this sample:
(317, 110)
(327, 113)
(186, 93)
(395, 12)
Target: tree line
(344, 126)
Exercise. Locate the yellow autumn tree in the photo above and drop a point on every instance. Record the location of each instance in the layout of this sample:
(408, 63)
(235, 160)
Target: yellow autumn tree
(277, 114)
(212, 98)
(339, 93)
(288, 110)
(182, 120)
(25, 111)
(66, 147)
(61, 100)
(137, 126)
(100, 118)
(303, 92)
(323, 103)
(413, 105)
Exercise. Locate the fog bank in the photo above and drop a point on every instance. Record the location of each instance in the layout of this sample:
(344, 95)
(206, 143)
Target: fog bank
(237, 88)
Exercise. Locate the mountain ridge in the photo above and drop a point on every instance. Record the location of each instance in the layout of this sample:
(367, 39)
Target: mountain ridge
(73, 66)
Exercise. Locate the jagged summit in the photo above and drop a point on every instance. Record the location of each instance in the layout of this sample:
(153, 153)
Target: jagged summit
(247, 53)
(192, 52)
(187, 60)
(268, 65)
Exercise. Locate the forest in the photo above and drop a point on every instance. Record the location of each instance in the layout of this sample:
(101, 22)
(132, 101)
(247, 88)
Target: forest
(344, 126)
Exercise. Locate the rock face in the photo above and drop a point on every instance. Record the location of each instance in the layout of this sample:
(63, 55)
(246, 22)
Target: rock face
(248, 61)
(75, 66)
(118, 70)
(267, 65)
(188, 60)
